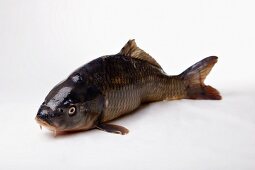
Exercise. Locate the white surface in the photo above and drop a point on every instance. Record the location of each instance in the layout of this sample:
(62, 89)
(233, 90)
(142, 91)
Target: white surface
(41, 42)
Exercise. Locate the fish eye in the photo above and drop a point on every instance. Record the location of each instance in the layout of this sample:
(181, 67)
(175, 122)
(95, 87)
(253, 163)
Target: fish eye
(71, 110)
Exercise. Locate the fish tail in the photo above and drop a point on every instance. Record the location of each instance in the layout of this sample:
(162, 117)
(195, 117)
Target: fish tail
(194, 78)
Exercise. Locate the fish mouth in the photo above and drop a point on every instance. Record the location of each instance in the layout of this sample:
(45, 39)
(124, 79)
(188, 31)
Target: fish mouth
(43, 123)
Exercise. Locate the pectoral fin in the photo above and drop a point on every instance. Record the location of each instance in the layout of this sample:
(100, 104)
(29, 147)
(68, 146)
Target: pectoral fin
(113, 128)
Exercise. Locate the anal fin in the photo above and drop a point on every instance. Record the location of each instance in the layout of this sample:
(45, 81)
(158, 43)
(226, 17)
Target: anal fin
(113, 128)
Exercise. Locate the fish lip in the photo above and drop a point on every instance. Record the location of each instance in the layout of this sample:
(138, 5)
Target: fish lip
(45, 124)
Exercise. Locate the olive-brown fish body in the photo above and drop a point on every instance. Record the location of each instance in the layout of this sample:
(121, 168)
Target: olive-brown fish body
(129, 82)
(111, 86)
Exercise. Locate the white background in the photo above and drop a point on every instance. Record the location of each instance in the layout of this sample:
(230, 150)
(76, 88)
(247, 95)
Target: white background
(43, 41)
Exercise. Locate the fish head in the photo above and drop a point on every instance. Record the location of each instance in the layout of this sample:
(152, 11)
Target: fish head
(70, 106)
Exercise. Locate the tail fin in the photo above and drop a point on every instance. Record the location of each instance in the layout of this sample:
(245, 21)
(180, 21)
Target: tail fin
(194, 78)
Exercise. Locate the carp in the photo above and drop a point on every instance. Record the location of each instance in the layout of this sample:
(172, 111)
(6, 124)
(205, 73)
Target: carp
(114, 85)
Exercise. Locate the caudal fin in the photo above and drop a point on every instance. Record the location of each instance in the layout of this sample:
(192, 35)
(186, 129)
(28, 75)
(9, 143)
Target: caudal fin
(194, 78)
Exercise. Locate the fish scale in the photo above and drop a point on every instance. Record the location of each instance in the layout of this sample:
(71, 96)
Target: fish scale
(127, 98)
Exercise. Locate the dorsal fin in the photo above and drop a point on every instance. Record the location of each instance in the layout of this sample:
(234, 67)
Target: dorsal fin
(131, 50)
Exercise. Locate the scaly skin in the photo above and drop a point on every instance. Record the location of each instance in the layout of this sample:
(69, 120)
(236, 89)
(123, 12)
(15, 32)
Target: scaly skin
(111, 86)
(127, 82)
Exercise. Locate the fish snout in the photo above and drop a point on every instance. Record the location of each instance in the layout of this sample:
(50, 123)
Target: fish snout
(44, 116)
(44, 113)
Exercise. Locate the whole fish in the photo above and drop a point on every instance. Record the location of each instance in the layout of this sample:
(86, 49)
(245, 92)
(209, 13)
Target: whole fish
(113, 85)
